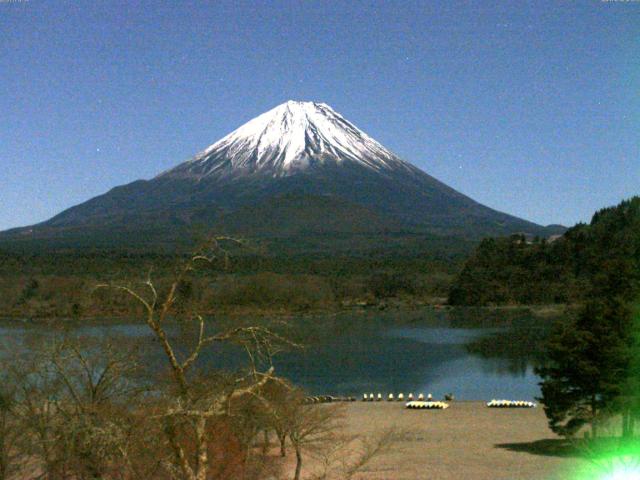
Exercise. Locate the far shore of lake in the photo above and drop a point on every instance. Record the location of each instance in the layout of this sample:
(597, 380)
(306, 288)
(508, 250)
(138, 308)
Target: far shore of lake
(540, 311)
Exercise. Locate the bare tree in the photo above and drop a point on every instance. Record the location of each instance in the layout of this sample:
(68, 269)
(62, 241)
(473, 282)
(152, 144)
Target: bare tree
(312, 427)
(283, 402)
(40, 424)
(73, 400)
(346, 456)
(193, 403)
(9, 428)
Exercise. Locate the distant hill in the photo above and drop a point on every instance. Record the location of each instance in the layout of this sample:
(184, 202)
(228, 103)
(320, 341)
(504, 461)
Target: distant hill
(300, 169)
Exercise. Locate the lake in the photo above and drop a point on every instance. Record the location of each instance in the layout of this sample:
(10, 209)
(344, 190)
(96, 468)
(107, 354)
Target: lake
(425, 351)
(421, 359)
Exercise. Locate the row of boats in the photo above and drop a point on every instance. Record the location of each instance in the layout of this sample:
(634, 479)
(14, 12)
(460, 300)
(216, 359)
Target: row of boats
(418, 405)
(421, 402)
(391, 398)
(491, 404)
(429, 403)
(510, 404)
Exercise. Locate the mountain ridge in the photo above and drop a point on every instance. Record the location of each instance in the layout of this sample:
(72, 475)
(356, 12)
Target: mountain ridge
(295, 150)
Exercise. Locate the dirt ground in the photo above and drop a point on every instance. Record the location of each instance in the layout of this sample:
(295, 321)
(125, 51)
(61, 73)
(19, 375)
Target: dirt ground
(466, 441)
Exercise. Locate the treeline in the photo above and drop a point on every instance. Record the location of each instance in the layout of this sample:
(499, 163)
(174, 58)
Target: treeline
(55, 296)
(507, 271)
(62, 284)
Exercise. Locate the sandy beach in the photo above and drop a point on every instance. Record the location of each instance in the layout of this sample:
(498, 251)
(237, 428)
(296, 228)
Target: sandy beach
(466, 441)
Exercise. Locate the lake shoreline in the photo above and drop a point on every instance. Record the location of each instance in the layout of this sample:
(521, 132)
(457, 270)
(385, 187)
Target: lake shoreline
(419, 351)
(542, 310)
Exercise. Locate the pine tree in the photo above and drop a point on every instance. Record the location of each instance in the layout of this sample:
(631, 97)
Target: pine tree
(586, 367)
(570, 396)
(591, 368)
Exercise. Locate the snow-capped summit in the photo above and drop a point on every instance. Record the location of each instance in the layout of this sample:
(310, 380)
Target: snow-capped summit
(288, 138)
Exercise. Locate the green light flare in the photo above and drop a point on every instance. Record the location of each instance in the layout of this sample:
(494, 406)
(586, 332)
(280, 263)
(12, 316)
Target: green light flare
(624, 473)
(619, 462)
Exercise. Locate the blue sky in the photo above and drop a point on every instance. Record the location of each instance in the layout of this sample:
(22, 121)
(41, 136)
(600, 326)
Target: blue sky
(532, 108)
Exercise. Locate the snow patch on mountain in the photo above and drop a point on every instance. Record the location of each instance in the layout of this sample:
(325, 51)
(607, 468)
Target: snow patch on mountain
(289, 138)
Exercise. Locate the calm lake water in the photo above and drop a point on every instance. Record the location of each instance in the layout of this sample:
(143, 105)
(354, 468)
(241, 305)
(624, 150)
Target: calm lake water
(424, 359)
(419, 352)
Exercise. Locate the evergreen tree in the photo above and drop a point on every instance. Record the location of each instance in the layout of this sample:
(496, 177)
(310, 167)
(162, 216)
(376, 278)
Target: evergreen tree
(592, 367)
(587, 366)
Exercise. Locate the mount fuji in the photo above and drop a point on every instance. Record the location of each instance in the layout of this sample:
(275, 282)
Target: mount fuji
(300, 169)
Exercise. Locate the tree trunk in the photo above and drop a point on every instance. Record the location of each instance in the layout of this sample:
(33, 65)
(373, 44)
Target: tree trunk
(245, 461)
(265, 445)
(594, 421)
(626, 423)
(180, 458)
(203, 460)
(4, 458)
(283, 445)
(298, 463)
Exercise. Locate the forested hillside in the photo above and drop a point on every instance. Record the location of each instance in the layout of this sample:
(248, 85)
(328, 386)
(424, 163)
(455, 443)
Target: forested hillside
(290, 274)
(512, 270)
